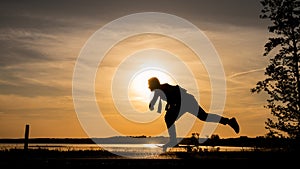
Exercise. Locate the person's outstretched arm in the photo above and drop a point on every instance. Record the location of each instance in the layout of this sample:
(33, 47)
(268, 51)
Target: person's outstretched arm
(153, 100)
(157, 94)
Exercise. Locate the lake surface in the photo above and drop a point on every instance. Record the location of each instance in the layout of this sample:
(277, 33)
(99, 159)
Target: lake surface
(125, 150)
(113, 147)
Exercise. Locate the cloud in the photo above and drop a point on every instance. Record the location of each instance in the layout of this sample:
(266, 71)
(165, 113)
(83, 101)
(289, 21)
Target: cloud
(34, 105)
(51, 78)
(237, 12)
(245, 73)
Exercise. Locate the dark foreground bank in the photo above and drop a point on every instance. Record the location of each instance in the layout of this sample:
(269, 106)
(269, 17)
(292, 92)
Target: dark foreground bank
(103, 159)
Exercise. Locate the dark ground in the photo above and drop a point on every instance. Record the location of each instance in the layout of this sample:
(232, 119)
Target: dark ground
(94, 159)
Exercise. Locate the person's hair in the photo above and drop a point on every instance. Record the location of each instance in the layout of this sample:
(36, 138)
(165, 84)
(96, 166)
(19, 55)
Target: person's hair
(154, 82)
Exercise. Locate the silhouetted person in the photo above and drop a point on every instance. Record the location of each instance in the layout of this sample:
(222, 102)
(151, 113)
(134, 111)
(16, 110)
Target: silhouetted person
(178, 103)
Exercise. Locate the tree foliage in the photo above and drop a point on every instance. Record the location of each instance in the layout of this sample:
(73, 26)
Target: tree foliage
(282, 74)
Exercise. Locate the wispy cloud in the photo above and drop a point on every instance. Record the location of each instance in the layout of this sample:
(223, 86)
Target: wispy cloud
(245, 73)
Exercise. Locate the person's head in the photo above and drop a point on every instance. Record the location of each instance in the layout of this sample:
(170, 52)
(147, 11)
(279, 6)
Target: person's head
(153, 83)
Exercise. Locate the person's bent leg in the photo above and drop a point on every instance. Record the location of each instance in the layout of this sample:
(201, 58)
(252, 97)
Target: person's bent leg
(170, 119)
(173, 136)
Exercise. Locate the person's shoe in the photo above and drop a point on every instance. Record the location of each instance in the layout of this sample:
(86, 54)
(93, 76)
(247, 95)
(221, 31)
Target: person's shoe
(164, 148)
(234, 124)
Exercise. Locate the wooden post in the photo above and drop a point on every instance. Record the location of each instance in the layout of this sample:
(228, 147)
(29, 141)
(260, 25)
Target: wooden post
(26, 137)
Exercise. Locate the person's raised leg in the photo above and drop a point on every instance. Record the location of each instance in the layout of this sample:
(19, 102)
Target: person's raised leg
(209, 117)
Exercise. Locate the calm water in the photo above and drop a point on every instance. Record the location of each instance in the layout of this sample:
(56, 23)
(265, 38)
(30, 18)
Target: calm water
(115, 147)
(125, 150)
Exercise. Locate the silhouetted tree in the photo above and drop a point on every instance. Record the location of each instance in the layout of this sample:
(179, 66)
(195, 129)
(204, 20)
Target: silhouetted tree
(282, 82)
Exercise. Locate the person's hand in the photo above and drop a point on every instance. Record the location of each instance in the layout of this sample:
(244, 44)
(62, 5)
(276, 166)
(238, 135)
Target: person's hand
(151, 107)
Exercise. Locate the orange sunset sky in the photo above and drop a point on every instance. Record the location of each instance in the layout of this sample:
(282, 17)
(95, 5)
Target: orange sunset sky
(42, 43)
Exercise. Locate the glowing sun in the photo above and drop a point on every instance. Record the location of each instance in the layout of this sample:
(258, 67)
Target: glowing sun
(138, 91)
